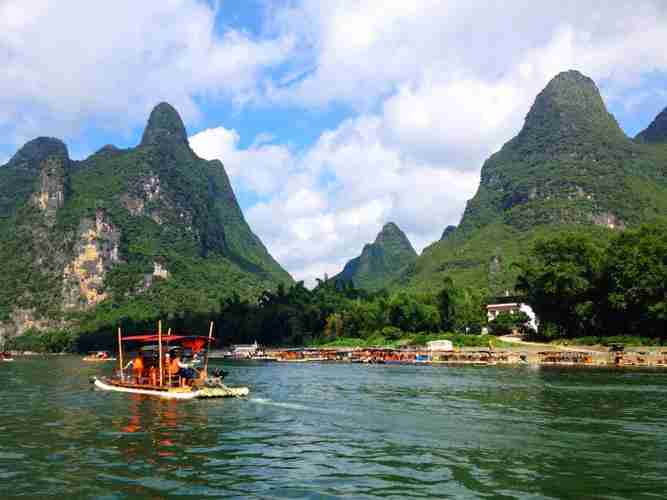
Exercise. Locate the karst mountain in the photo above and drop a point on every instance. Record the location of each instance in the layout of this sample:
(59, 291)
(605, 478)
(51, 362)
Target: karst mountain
(129, 233)
(571, 167)
(381, 261)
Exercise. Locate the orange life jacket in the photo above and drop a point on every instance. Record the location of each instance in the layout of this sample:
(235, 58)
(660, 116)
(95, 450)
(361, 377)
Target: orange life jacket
(173, 366)
(138, 365)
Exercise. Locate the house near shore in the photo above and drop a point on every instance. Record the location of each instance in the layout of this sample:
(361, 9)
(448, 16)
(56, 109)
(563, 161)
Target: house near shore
(511, 306)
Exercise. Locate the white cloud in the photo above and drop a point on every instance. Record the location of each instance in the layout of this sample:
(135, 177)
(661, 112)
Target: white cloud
(313, 225)
(438, 86)
(354, 54)
(67, 63)
(259, 168)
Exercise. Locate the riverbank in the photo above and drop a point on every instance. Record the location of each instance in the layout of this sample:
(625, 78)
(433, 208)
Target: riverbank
(517, 352)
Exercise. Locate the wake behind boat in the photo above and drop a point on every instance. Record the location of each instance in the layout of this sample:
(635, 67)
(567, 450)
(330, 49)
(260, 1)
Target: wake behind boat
(169, 369)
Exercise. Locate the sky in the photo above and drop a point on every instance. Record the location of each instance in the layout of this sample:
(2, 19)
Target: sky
(332, 117)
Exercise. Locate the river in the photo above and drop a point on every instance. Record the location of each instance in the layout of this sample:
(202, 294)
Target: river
(336, 430)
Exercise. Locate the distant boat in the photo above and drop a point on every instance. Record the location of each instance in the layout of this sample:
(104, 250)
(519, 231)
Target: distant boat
(422, 358)
(5, 356)
(95, 356)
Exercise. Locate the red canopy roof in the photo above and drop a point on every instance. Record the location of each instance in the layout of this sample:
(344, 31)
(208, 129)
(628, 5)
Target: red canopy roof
(152, 337)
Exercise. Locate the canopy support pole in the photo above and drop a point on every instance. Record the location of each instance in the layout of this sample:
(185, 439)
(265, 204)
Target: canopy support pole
(120, 354)
(159, 343)
(170, 360)
(210, 336)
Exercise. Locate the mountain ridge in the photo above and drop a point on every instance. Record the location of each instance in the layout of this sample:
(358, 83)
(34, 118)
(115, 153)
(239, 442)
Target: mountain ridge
(122, 232)
(570, 167)
(380, 261)
(656, 132)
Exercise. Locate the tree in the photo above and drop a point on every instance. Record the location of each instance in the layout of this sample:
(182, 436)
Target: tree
(560, 279)
(446, 304)
(507, 323)
(635, 279)
(412, 315)
(470, 311)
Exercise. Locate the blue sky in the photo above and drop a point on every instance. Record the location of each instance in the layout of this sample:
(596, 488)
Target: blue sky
(330, 118)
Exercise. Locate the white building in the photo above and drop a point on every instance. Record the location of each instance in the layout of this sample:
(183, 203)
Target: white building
(493, 310)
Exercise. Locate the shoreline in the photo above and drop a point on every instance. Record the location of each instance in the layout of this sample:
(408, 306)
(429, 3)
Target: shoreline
(520, 353)
(530, 354)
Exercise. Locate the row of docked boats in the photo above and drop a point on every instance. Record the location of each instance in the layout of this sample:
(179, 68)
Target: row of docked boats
(394, 356)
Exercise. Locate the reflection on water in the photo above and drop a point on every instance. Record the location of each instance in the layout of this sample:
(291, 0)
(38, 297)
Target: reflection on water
(325, 431)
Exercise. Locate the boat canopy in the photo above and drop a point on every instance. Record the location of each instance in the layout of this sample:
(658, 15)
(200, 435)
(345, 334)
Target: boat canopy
(152, 337)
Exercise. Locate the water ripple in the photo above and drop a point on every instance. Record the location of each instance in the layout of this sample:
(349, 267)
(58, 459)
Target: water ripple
(330, 431)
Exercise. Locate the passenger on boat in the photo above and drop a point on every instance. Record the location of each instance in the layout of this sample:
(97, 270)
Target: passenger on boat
(137, 365)
(177, 368)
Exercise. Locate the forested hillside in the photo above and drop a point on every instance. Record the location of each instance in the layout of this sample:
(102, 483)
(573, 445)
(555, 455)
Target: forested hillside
(137, 233)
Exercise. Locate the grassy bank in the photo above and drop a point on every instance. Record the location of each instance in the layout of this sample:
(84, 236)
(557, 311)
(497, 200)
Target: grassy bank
(419, 339)
(627, 340)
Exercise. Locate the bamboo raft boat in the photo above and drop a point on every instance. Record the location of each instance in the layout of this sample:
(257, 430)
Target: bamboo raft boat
(161, 382)
(189, 392)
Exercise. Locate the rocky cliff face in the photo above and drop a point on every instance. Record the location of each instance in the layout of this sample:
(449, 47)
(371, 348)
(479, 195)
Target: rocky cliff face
(96, 251)
(380, 261)
(52, 189)
(154, 225)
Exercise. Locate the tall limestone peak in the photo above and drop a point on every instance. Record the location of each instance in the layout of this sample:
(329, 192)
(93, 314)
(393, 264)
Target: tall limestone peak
(391, 237)
(164, 124)
(30, 156)
(380, 261)
(153, 228)
(563, 166)
(656, 132)
(569, 107)
(24, 175)
(570, 168)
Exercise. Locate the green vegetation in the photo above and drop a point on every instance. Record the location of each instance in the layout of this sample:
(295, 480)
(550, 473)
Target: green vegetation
(331, 314)
(380, 261)
(579, 288)
(656, 132)
(415, 340)
(627, 340)
(52, 341)
(507, 323)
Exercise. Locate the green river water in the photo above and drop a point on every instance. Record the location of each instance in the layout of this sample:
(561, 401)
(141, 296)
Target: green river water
(336, 430)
